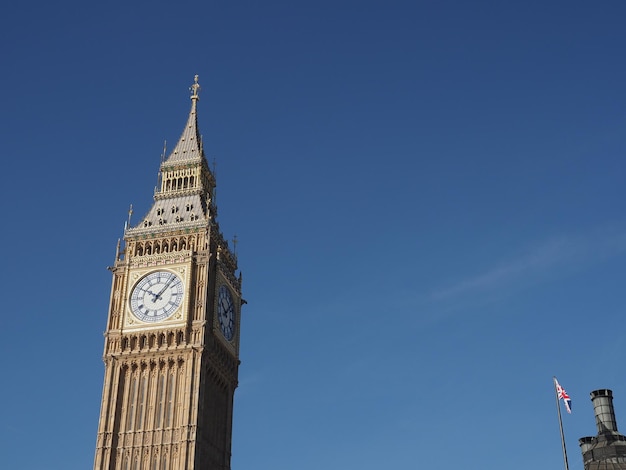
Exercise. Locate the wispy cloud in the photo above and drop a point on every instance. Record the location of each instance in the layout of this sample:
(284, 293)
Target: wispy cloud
(549, 259)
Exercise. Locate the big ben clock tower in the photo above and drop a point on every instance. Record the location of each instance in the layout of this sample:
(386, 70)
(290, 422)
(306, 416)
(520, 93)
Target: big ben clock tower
(171, 349)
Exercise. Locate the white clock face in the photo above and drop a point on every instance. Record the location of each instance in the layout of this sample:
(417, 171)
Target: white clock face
(226, 312)
(156, 296)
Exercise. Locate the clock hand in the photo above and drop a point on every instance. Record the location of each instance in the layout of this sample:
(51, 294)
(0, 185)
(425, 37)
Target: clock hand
(154, 297)
(158, 296)
(148, 291)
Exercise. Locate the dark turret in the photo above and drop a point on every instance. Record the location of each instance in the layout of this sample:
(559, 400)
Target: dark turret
(607, 450)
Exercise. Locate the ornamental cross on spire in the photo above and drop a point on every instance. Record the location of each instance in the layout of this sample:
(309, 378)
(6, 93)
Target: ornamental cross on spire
(195, 88)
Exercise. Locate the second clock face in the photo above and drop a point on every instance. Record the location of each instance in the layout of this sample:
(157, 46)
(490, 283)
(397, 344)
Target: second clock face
(226, 312)
(156, 296)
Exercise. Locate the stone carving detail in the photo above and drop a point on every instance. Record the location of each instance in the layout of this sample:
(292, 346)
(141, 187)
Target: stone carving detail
(149, 258)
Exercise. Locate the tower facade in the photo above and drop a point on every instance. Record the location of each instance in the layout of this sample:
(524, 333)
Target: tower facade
(171, 349)
(607, 450)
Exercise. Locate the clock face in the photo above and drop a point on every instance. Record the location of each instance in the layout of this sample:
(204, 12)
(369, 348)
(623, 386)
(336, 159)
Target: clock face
(226, 312)
(156, 296)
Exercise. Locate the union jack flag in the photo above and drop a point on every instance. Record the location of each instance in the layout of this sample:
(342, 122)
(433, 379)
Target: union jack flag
(562, 394)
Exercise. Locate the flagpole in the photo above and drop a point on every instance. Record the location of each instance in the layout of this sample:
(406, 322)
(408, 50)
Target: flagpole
(558, 409)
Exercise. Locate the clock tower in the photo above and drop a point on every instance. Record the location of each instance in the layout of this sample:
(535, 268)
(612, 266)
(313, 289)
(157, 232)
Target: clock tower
(171, 348)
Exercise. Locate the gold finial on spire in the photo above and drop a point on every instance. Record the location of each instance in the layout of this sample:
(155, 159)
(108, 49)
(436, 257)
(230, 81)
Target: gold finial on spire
(195, 88)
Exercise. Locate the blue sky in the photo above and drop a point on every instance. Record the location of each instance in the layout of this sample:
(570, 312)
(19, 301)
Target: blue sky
(428, 198)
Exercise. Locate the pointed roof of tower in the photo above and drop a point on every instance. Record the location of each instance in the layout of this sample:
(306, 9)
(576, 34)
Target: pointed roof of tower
(189, 146)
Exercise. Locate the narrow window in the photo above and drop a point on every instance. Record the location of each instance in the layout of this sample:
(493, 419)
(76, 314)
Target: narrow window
(160, 397)
(170, 401)
(142, 399)
(130, 423)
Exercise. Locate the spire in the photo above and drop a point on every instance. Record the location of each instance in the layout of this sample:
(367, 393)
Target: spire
(189, 146)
